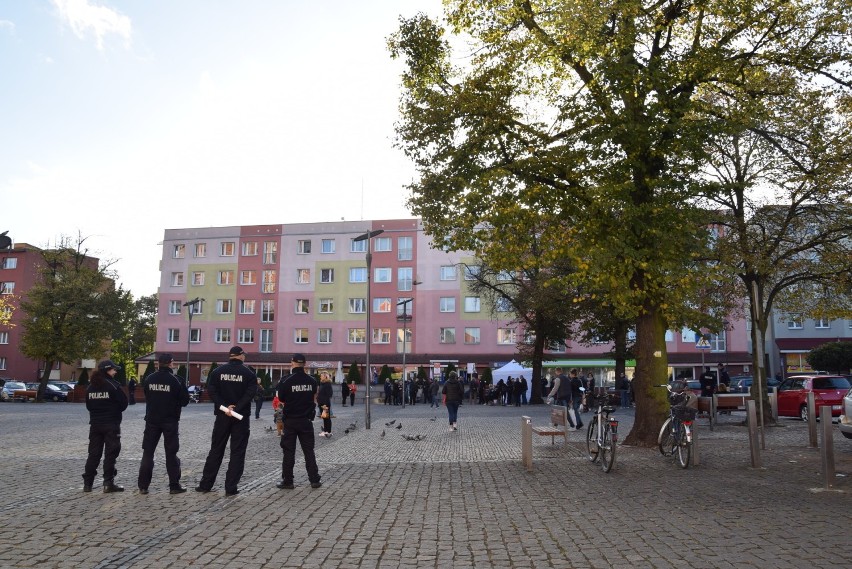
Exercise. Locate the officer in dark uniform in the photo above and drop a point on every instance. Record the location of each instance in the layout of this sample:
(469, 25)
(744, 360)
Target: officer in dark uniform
(232, 386)
(165, 396)
(298, 393)
(708, 383)
(105, 401)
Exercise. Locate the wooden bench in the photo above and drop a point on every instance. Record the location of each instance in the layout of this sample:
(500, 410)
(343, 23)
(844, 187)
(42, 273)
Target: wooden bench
(558, 418)
(24, 394)
(730, 401)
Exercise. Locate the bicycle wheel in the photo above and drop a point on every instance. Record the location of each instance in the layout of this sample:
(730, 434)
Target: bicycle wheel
(684, 448)
(665, 439)
(607, 450)
(592, 439)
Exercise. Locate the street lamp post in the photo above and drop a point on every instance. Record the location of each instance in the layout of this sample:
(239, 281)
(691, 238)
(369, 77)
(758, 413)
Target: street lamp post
(191, 305)
(367, 236)
(404, 304)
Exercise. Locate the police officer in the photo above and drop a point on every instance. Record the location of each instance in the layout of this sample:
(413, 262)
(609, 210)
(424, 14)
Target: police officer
(105, 401)
(298, 393)
(232, 386)
(165, 396)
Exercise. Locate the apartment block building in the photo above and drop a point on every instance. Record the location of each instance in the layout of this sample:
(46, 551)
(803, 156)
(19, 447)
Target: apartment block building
(280, 289)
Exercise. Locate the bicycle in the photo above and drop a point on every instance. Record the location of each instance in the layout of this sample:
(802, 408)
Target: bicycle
(675, 438)
(602, 435)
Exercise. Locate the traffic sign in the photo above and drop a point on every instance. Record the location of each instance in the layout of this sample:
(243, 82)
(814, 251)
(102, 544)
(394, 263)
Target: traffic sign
(703, 344)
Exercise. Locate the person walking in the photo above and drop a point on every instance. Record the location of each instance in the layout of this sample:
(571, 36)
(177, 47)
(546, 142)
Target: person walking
(624, 387)
(165, 396)
(105, 401)
(352, 390)
(577, 390)
(131, 391)
(324, 396)
(561, 394)
(434, 388)
(298, 393)
(344, 391)
(453, 392)
(258, 399)
(231, 386)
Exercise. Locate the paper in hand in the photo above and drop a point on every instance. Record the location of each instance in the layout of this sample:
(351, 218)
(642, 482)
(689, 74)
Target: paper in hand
(234, 414)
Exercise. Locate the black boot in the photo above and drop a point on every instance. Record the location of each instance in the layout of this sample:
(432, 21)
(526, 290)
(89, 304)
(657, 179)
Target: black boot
(111, 486)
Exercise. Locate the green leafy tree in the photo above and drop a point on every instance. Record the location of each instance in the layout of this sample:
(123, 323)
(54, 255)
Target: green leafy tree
(486, 376)
(181, 372)
(421, 373)
(139, 330)
(73, 311)
(835, 357)
(598, 115)
(7, 308)
(384, 374)
(354, 374)
(149, 369)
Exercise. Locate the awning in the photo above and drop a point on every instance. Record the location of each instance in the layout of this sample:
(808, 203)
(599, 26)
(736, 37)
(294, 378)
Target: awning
(586, 363)
(805, 344)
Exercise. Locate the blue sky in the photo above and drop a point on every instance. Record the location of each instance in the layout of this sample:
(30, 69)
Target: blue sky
(124, 118)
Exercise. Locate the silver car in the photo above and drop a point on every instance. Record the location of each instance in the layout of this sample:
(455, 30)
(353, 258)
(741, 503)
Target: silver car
(846, 415)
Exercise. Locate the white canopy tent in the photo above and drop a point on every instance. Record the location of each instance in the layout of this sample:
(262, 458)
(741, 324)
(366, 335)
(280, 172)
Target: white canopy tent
(515, 370)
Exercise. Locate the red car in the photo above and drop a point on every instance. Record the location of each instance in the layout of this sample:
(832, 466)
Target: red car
(827, 389)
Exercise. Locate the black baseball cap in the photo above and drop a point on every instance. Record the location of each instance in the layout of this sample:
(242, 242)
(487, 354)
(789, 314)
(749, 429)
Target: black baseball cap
(107, 365)
(166, 359)
(298, 358)
(236, 351)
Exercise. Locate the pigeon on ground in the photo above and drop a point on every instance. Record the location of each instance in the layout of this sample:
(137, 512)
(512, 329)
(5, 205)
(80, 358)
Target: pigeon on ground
(399, 426)
(346, 432)
(434, 418)
(352, 426)
(390, 423)
(383, 433)
(419, 437)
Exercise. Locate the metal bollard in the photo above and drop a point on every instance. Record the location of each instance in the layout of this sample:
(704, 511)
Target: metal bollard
(526, 443)
(827, 448)
(812, 428)
(753, 442)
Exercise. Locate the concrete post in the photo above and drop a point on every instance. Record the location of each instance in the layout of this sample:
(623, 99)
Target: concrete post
(526, 443)
(753, 440)
(812, 428)
(827, 448)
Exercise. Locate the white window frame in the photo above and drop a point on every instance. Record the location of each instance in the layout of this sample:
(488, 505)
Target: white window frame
(356, 336)
(267, 311)
(507, 336)
(301, 335)
(227, 249)
(247, 305)
(471, 272)
(473, 331)
(404, 248)
(179, 251)
(304, 247)
(174, 306)
(225, 278)
(248, 277)
(404, 279)
(270, 252)
(326, 306)
(245, 336)
(223, 336)
(327, 246)
(381, 335)
(447, 304)
(822, 324)
(472, 304)
(4, 337)
(382, 275)
(270, 281)
(447, 335)
(266, 340)
(177, 279)
(358, 274)
(794, 322)
(383, 244)
(303, 306)
(449, 273)
(224, 306)
(200, 250)
(197, 278)
(173, 335)
(382, 304)
(10, 263)
(250, 249)
(327, 276)
(303, 276)
(357, 246)
(357, 306)
(324, 336)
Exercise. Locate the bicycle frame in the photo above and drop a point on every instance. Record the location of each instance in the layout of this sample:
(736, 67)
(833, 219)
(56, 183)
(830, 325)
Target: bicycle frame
(602, 436)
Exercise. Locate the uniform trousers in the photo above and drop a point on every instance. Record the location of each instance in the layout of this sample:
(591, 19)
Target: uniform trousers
(104, 440)
(171, 444)
(225, 428)
(298, 428)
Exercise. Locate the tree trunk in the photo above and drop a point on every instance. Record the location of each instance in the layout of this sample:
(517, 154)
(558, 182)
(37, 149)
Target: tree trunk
(651, 370)
(538, 357)
(759, 323)
(45, 376)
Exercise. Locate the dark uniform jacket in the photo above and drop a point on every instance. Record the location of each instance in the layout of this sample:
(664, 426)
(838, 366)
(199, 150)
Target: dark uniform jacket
(105, 403)
(232, 383)
(165, 396)
(297, 392)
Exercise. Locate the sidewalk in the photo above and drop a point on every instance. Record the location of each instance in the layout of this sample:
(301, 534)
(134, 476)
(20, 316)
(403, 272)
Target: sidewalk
(454, 499)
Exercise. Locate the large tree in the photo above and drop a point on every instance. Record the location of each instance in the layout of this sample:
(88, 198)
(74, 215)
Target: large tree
(596, 114)
(139, 330)
(73, 311)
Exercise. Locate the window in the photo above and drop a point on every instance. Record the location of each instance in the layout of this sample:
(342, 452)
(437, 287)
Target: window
(404, 307)
(404, 278)
(4, 337)
(381, 335)
(226, 249)
(195, 336)
(448, 336)
(304, 246)
(303, 306)
(327, 246)
(245, 336)
(269, 281)
(357, 336)
(173, 335)
(471, 304)
(179, 252)
(794, 322)
(822, 323)
(448, 273)
(382, 275)
(502, 304)
(270, 252)
(471, 335)
(10, 262)
(404, 249)
(223, 335)
(250, 249)
(226, 277)
(198, 278)
(267, 311)
(718, 342)
(196, 308)
(324, 336)
(177, 279)
(504, 276)
(326, 305)
(358, 246)
(506, 336)
(358, 275)
(382, 244)
(357, 305)
(303, 276)
(3, 363)
(224, 306)
(381, 305)
(248, 277)
(265, 341)
(247, 306)
(9, 287)
(174, 307)
(300, 335)
(326, 276)
(471, 272)
(200, 250)
(447, 304)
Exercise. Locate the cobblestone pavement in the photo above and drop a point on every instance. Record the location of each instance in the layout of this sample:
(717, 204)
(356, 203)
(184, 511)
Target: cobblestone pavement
(454, 499)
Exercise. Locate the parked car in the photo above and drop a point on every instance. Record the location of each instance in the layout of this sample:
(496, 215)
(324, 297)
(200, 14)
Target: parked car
(846, 415)
(51, 392)
(692, 384)
(64, 386)
(10, 387)
(827, 390)
(742, 383)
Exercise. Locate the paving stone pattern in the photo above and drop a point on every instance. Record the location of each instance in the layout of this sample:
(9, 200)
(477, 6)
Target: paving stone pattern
(453, 499)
